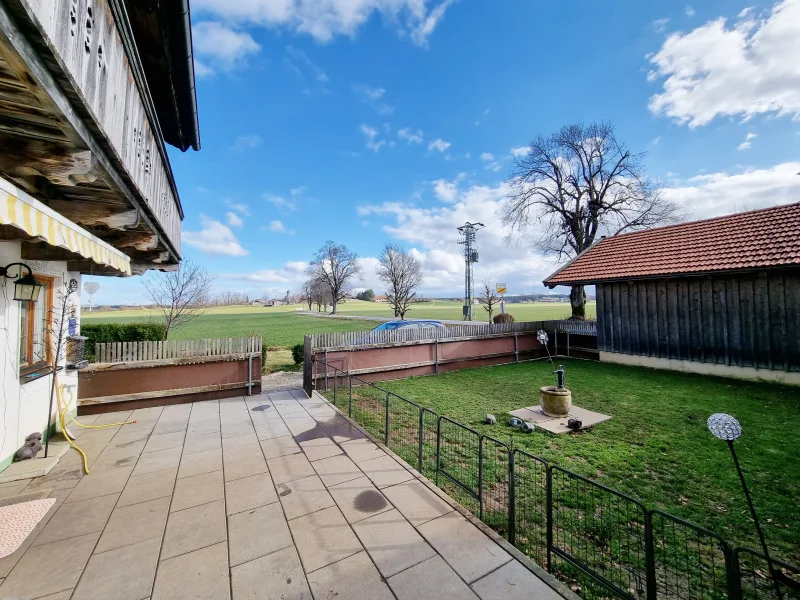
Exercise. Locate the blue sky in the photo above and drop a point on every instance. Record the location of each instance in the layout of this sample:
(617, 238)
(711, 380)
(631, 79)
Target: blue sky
(374, 121)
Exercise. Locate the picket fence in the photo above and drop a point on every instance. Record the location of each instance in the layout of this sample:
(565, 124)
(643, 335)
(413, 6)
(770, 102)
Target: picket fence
(112, 352)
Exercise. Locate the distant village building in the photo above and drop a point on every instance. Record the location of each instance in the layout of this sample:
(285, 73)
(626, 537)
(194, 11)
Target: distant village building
(720, 296)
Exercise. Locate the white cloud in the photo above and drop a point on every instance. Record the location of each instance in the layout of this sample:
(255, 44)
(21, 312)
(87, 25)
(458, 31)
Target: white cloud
(214, 239)
(234, 220)
(467, 156)
(246, 142)
(297, 61)
(411, 137)
(493, 166)
(487, 156)
(292, 275)
(689, 11)
(439, 144)
(279, 227)
(715, 194)
(371, 138)
(660, 25)
(446, 191)
(655, 140)
(325, 19)
(242, 209)
(746, 143)
(741, 71)
(219, 48)
(372, 96)
(281, 202)
(519, 151)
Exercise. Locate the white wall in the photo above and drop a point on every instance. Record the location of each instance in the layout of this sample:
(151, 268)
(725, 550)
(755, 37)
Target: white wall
(23, 408)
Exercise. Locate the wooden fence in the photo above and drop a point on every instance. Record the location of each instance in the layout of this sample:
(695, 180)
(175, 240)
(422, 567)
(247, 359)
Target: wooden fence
(114, 352)
(340, 339)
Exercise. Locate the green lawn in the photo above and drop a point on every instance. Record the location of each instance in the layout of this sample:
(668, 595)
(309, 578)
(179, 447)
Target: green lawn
(656, 447)
(281, 327)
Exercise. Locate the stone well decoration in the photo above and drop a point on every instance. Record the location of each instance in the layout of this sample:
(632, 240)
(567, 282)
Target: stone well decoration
(556, 401)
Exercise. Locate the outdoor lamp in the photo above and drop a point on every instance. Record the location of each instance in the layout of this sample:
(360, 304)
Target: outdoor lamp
(728, 429)
(26, 289)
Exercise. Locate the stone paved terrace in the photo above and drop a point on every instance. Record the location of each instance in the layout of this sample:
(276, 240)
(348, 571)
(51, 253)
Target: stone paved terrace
(268, 497)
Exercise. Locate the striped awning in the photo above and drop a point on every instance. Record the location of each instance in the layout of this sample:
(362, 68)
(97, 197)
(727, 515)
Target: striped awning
(20, 210)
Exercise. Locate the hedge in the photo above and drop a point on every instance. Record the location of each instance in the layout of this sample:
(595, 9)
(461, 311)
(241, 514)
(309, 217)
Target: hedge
(116, 332)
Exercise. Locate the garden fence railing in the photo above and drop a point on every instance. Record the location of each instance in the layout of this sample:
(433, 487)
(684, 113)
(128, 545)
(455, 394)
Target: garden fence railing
(106, 352)
(584, 533)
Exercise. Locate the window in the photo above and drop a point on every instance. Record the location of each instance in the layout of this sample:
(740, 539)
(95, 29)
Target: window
(35, 326)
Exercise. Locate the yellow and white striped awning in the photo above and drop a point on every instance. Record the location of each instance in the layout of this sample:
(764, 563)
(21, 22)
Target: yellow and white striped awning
(20, 210)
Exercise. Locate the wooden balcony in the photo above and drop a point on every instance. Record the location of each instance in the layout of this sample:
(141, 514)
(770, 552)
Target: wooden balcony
(78, 127)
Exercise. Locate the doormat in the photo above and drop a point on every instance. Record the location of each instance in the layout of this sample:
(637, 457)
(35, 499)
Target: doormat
(18, 520)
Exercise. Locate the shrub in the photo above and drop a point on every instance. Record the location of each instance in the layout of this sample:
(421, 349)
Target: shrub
(117, 332)
(299, 353)
(503, 318)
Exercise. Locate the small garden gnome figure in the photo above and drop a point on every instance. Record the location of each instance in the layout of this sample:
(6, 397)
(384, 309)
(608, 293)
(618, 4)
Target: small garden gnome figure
(31, 447)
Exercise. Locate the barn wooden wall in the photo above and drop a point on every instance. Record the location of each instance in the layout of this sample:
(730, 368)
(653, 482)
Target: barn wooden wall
(750, 320)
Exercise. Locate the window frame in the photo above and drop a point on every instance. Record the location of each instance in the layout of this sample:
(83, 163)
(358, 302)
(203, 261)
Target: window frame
(27, 368)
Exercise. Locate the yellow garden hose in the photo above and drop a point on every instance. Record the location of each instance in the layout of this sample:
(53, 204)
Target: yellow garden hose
(63, 411)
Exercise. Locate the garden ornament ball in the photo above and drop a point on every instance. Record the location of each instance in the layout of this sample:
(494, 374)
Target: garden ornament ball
(574, 423)
(724, 427)
(515, 422)
(528, 427)
(490, 419)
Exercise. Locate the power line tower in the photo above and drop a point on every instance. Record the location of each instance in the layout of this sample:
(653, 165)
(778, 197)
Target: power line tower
(467, 239)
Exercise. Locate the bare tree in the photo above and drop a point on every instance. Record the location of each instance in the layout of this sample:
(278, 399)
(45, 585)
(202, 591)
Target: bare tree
(337, 267)
(180, 295)
(488, 298)
(402, 274)
(576, 184)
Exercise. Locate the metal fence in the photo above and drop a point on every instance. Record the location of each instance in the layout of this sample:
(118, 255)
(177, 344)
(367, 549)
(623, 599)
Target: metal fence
(340, 339)
(609, 544)
(141, 351)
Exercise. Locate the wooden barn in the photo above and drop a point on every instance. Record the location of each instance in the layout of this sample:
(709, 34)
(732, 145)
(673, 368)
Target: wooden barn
(719, 296)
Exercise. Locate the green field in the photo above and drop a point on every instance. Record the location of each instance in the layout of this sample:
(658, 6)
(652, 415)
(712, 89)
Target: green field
(656, 447)
(281, 327)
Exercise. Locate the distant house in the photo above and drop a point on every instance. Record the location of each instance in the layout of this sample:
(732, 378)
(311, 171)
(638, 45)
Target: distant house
(381, 298)
(258, 302)
(274, 302)
(720, 296)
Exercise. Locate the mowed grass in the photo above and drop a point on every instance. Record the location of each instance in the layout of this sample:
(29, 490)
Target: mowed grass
(656, 447)
(282, 328)
(279, 327)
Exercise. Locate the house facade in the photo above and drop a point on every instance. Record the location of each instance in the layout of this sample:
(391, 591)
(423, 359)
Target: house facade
(90, 93)
(720, 296)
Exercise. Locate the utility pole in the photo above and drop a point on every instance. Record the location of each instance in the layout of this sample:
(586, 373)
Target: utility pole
(467, 239)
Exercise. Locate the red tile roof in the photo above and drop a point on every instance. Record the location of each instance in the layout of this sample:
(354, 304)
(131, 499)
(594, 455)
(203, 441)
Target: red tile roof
(752, 240)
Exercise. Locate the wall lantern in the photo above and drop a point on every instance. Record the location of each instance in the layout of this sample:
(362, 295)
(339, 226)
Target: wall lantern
(26, 289)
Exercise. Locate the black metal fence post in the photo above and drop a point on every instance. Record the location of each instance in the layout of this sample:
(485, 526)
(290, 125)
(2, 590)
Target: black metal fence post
(480, 478)
(512, 500)
(421, 435)
(438, 447)
(650, 557)
(549, 503)
(386, 422)
(350, 400)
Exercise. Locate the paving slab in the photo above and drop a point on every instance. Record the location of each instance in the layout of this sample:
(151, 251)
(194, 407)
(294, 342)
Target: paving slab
(385, 471)
(165, 441)
(392, 542)
(359, 499)
(589, 418)
(77, 518)
(303, 496)
(150, 486)
(134, 523)
(279, 446)
(249, 492)
(200, 489)
(290, 467)
(194, 528)
(416, 502)
(362, 450)
(199, 575)
(337, 469)
(419, 581)
(232, 429)
(198, 428)
(200, 462)
(323, 537)
(244, 465)
(320, 448)
(156, 461)
(172, 426)
(267, 430)
(114, 458)
(466, 548)
(102, 483)
(123, 574)
(513, 581)
(257, 532)
(341, 430)
(354, 578)
(277, 575)
(202, 442)
(49, 568)
(243, 444)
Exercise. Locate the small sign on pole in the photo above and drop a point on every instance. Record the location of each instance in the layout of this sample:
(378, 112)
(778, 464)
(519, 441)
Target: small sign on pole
(501, 289)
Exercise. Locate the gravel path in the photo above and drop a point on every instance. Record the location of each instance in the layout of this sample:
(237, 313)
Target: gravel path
(282, 380)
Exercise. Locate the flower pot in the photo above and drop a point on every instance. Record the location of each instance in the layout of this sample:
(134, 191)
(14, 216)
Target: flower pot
(555, 402)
